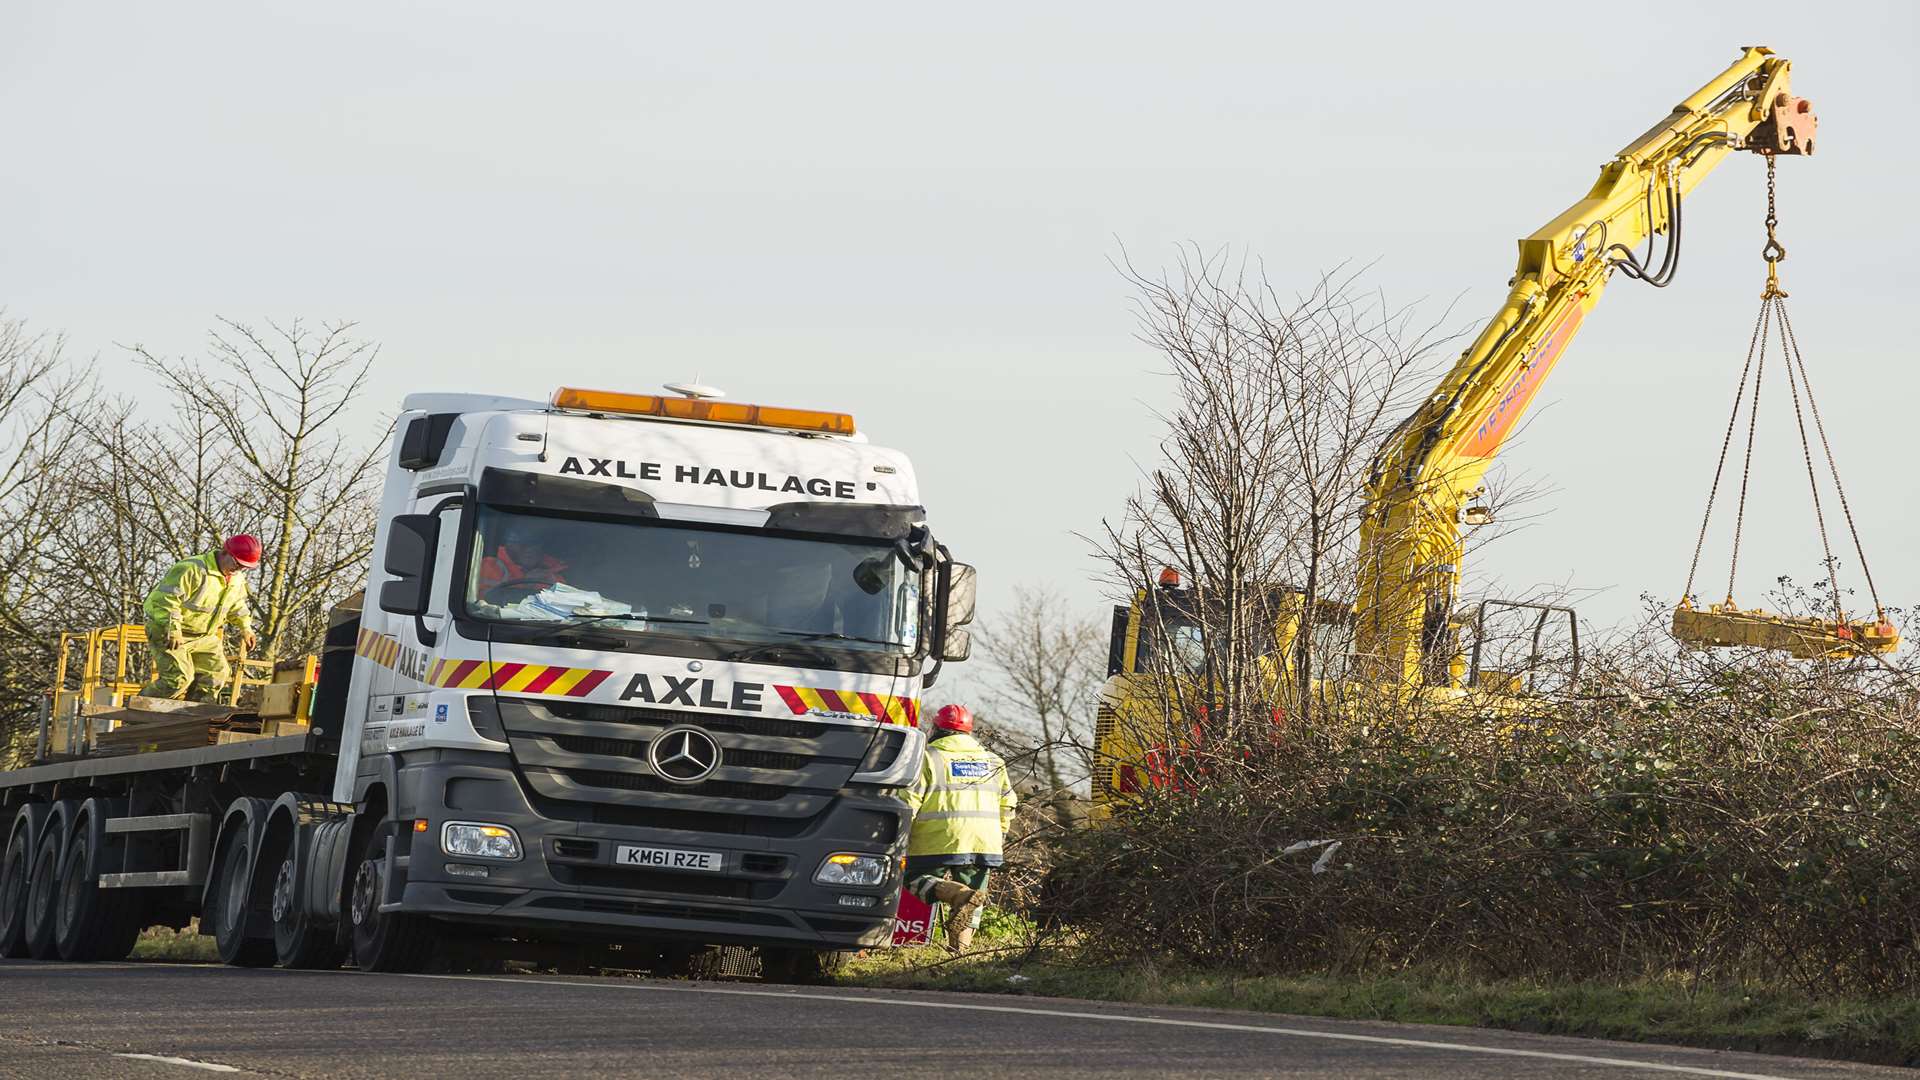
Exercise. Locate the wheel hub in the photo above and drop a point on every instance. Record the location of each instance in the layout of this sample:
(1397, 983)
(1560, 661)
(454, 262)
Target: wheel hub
(283, 892)
(366, 883)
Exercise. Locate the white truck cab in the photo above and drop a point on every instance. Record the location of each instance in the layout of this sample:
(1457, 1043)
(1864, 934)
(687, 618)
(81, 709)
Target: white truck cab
(642, 665)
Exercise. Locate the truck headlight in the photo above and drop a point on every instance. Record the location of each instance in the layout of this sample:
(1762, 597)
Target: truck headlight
(471, 840)
(846, 868)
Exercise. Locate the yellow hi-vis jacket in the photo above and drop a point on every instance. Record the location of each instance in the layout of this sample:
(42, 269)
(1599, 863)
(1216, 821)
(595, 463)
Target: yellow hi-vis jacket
(196, 599)
(962, 801)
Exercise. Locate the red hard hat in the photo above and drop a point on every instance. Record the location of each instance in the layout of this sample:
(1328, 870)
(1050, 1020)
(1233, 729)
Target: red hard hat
(953, 718)
(243, 549)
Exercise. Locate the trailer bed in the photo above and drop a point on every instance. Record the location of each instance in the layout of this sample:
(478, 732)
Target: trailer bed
(85, 768)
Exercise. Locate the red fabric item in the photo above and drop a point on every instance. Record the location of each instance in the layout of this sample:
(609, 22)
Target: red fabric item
(500, 567)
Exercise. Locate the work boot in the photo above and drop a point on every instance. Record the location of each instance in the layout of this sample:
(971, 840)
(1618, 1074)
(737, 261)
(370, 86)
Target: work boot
(959, 933)
(962, 918)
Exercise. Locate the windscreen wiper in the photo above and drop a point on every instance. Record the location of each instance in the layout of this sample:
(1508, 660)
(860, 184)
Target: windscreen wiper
(801, 637)
(578, 621)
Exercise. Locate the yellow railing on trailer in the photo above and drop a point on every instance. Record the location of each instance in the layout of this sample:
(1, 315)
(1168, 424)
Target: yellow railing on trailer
(109, 676)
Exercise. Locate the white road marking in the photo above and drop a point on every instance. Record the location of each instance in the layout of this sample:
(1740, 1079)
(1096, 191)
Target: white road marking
(1212, 1025)
(185, 1063)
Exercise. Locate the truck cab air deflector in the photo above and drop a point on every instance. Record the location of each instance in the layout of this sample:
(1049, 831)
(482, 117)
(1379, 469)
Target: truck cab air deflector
(538, 493)
(847, 519)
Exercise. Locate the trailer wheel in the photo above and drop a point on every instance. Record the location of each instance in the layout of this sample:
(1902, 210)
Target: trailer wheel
(299, 940)
(43, 885)
(237, 905)
(15, 862)
(386, 941)
(90, 923)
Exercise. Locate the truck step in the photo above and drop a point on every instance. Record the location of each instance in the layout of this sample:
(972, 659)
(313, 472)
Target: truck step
(147, 878)
(199, 830)
(158, 823)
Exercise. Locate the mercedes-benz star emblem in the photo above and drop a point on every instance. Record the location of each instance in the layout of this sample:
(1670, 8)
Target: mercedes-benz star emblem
(684, 755)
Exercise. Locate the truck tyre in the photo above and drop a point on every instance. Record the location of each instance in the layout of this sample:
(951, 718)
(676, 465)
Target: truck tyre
(383, 941)
(90, 923)
(236, 905)
(43, 885)
(299, 940)
(799, 966)
(16, 861)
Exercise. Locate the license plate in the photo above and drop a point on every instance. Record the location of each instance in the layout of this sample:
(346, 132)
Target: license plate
(660, 858)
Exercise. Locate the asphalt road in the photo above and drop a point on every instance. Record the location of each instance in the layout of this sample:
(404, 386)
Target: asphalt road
(179, 1021)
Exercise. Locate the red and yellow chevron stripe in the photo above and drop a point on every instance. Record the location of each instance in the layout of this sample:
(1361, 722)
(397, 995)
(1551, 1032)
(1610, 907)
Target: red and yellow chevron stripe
(380, 648)
(516, 678)
(885, 708)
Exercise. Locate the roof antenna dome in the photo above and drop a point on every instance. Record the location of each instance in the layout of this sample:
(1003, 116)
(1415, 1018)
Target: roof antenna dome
(696, 390)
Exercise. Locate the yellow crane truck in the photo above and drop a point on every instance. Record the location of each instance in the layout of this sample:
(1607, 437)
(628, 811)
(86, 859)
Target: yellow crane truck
(1402, 629)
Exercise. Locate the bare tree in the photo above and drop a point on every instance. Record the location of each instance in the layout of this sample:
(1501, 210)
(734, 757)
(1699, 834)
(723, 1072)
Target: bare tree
(1279, 407)
(261, 420)
(1041, 684)
(40, 395)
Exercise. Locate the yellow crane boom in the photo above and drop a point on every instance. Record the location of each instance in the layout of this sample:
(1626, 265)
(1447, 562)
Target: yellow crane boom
(1434, 464)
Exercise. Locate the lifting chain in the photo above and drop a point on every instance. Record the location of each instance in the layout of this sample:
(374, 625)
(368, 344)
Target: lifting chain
(1775, 250)
(1772, 326)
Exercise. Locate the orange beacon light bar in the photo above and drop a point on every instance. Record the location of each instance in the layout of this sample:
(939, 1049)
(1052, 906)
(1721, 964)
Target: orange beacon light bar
(717, 412)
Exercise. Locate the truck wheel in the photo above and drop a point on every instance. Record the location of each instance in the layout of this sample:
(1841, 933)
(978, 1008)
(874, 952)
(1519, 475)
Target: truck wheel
(799, 966)
(43, 884)
(15, 861)
(237, 905)
(299, 941)
(389, 941)
(90, 923)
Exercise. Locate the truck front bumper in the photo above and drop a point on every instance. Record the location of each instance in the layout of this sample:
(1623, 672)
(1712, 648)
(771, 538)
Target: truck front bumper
(569, 882)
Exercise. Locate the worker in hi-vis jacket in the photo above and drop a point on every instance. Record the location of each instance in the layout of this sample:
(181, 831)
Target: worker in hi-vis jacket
(963, 804)
(197, 599)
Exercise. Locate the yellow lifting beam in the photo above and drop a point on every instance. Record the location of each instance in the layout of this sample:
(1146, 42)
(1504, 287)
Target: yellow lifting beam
(1726, 624)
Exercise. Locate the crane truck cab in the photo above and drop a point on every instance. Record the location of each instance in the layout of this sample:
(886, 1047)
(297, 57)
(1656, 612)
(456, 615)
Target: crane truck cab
(1159, 638)
(638, 666)
(1507, 657)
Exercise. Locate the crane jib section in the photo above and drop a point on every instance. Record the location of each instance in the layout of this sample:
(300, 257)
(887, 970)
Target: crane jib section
(1521, 386)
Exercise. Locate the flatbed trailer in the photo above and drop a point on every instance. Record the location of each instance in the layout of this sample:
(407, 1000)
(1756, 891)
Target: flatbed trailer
(95, 848)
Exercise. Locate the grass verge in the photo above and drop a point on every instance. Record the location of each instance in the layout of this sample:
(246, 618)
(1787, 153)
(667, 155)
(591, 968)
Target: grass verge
(186, 946)
(1883, 1032)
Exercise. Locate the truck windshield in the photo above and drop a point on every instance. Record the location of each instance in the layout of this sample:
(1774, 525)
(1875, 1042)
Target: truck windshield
(697, 581)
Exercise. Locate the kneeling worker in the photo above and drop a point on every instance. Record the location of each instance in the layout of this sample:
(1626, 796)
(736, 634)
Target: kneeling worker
(963, 804)
(186, 613)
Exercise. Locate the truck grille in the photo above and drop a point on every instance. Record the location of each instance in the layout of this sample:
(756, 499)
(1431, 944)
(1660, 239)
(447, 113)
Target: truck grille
(631, 748)
(719, 789)
(578, 752)
(664, 718)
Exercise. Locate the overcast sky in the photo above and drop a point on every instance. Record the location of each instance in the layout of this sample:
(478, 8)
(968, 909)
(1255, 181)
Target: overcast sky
(909, 212)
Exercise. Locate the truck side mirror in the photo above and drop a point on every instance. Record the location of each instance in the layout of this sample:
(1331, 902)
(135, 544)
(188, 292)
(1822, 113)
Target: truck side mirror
(411, 541)
(958, 586)
(958, 646)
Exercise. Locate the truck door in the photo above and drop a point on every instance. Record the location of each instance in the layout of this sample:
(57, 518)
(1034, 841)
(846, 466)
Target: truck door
(390, 672)
(447, 579)
(417, 652)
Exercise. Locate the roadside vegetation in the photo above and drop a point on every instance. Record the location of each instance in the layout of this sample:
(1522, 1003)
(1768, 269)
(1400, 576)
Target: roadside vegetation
(1719, 852)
